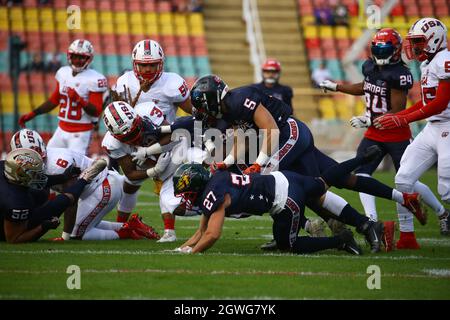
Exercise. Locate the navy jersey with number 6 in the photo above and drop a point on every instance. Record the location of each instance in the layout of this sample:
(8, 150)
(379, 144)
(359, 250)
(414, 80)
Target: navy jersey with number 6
(377, 85)
(242, 102)
(253, 194)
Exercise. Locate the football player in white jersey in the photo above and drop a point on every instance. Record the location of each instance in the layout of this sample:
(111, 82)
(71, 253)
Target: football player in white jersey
(129, 128)
(79, 95)
(83, 220)
(426, 42)
(149, 82)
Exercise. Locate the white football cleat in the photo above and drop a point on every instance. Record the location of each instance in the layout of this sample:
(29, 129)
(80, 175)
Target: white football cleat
(93, 170)
(169, 236)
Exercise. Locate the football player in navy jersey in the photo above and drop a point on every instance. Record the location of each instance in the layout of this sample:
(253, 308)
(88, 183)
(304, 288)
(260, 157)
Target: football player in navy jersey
(282, 193)
(248, 107)
(386, 83)
(25, 212)
(270, 85)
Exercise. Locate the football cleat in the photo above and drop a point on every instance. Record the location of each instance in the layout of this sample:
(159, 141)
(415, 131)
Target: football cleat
(413, 203)
(389, 235)
(315, 228)
(348, 243)
(373, 231)
(126, 232)
(169, 236)
(269, 246)
(93, 170)
(444, 223)
(407, 241)
(135, 222)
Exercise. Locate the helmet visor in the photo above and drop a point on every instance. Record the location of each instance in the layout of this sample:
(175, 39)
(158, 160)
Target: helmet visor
(382, 51)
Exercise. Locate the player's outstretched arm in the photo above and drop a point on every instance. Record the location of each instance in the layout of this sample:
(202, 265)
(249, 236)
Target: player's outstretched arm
(355, 89)
(192, 241)
(418, 111)
(214, 228)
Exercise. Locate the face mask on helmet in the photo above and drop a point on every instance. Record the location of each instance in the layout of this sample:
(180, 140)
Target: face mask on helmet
(189, 180)
(414, 48)
(80, 54)
(149, 72)
(382, 53)
(25, 167)
(271, 76)
(133, 136)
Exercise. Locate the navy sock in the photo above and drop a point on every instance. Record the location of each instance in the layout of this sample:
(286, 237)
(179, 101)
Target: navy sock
(374, 187)
(310, 245)
(338, 174)
(352, 217)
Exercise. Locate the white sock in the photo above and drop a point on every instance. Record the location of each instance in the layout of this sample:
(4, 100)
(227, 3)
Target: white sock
(108, 225)
(65, 235)
(99, 234)
(405, 217)
(370, 208)
(429, 198)
(334, 203)
(397, 196)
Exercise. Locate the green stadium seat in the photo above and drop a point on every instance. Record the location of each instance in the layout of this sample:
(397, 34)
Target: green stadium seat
(187, 66)
(112, 64)
(171, 64)
(202, 66)
(335, 69)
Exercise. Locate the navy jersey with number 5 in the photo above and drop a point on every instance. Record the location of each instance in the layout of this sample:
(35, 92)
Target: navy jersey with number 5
(242, 102)
(253, 194)
(377, 85)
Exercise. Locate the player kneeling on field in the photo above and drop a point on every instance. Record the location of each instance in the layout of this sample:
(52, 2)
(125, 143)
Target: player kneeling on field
(282, 193)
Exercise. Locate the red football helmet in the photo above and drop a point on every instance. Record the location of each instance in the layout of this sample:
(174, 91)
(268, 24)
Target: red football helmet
(273, 66)
(386, 46)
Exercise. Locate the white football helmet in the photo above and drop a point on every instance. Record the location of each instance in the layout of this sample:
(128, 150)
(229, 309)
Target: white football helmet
(148, 52)
(25, 167)
(80, 47)
(123, 122)
(30, 139)
(425, 38)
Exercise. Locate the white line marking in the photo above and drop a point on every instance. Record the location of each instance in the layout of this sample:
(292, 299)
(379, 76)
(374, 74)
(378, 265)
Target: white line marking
(438, 272)
(166, 252)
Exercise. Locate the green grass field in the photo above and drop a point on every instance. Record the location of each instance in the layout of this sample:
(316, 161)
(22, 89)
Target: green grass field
(235, 268)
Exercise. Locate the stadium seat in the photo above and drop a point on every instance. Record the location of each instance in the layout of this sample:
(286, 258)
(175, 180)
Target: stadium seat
(326, 109)
(171, 64)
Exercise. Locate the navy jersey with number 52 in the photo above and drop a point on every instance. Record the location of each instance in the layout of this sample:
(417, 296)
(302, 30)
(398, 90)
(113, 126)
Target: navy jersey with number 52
(241, 104)
(253, 194)
(377, 85)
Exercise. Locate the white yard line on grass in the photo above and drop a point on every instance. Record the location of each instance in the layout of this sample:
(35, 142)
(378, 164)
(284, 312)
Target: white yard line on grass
(169, 252)
(235, 273)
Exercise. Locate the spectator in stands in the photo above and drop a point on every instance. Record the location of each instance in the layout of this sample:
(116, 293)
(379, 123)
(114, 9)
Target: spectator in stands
(340, 15)
(320, 74)
(54, 63)
(196, 6)
(37, 64)
(323, 14)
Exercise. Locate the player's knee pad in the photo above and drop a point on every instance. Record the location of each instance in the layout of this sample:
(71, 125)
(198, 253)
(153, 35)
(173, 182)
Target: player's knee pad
(334, 203)
(444, 188)
(127, 202)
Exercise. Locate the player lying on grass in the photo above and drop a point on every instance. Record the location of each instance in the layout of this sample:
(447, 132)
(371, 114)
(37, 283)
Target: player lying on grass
(25, 212)
(282, 193)
(83, 219)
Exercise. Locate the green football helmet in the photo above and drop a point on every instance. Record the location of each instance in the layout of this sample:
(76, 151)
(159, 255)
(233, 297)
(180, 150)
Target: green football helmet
(189, 180)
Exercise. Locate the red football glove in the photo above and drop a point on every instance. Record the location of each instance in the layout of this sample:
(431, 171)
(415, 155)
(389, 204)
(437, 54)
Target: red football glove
(25, 118)
(75, 97)
(254, 168)
(391, 121)
(217, 166)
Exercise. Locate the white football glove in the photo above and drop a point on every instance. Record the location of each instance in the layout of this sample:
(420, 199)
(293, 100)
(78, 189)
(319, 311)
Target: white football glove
(140, 155)
(360, 122)
(160, 166)
(185, 249)
(328, 85)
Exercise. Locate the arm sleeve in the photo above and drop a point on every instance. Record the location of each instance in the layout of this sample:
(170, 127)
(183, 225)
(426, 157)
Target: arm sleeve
(54, 98)
(413, 108)
(53, 208)
(436, 106)
(96, 99)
